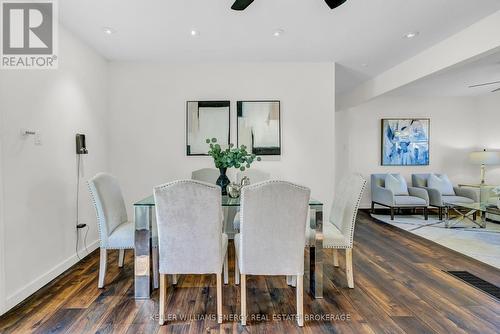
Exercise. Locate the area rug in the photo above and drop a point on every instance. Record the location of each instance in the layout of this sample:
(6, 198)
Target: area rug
(465, 237)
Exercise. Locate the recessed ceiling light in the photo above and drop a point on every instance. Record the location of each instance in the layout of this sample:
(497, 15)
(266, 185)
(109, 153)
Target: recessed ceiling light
(412, 34)
(108, 30)
(278, 32)
(195, 32)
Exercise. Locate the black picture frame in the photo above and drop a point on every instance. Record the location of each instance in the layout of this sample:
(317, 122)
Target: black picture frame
(205, 104)
(275, 151)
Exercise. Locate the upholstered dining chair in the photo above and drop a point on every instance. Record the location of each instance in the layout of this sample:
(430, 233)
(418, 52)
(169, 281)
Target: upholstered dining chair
(255, 176)
(115, 230)
(338, 231)
(190, 238)
(272, 237)
(208, 175)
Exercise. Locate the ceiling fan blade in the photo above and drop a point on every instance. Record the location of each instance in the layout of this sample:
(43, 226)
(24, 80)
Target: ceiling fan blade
(496, 90)
(241, 4)
(334, 3)
(484, 84)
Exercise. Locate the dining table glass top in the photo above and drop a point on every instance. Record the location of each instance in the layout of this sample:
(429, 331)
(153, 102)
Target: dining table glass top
(226, 201)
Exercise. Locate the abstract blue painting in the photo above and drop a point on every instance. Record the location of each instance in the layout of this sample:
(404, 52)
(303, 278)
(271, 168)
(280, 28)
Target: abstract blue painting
(405, 142)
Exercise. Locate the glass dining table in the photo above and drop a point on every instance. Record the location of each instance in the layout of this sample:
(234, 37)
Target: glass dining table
(146, 232)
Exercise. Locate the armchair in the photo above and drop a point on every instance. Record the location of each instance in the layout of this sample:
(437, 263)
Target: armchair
(437, 198)
(409, 197)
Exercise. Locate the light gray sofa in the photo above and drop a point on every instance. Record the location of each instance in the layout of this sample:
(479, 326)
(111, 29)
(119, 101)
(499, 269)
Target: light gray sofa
(416, 197)
(436, 199)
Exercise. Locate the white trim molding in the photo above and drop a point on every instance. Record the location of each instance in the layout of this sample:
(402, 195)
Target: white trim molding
(35, 285)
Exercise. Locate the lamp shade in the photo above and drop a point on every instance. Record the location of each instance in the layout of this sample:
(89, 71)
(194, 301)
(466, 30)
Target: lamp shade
(485, 158)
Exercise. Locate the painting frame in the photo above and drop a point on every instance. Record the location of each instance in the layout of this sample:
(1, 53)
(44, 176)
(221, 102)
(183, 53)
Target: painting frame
(427, 141)
(239, 107)
(212, 103)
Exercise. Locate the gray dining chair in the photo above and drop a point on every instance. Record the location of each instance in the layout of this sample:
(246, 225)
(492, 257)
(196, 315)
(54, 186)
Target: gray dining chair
(190, 238)
(115, 230)
(272, 237)
(338, 231)
(208, 175)
(254, 176)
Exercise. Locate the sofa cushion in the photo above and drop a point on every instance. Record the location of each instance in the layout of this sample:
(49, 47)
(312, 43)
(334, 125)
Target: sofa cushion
(441, 183)
(409, 201)
(397, 184)
(457, 199)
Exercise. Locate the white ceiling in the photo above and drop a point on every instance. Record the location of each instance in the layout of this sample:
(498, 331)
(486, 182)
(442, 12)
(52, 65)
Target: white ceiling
(359, 32)
(456, 81)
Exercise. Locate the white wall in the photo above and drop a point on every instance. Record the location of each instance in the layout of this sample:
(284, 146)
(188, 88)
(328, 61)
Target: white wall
(454, 134)
(39, 182)
(148, 117)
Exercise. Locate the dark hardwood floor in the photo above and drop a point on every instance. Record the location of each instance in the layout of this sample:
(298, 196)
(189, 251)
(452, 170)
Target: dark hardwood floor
(400, 288)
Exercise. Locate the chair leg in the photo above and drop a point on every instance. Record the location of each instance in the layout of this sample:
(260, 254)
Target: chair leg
(226, 269)
(102, 267)
(291, 280)
(219, 298)
(121, 256)
(373, 207)
(236, 271)
(163, 293)
(335, 258)
(243, 283)
(392, 213)
(156, 265)
(426, 213)
(348, 268)
(440, 213)
(300, 300)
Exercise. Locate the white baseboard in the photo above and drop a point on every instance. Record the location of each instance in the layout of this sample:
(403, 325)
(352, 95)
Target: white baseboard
(35, 285)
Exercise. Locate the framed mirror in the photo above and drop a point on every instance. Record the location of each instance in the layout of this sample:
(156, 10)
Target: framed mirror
(259, 126)
(206, 119)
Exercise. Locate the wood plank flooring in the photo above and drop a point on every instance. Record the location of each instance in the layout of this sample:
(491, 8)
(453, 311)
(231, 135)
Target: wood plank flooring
(400, 287)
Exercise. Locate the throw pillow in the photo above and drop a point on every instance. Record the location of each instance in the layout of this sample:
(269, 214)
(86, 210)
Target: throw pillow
(397, 184)
(441, 183)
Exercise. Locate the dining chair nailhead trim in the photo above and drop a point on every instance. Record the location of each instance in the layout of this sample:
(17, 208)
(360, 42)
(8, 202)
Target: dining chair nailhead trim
(351, 232)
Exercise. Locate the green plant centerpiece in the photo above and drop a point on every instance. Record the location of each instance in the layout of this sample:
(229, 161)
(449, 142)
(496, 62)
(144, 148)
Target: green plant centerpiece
(237, 157)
